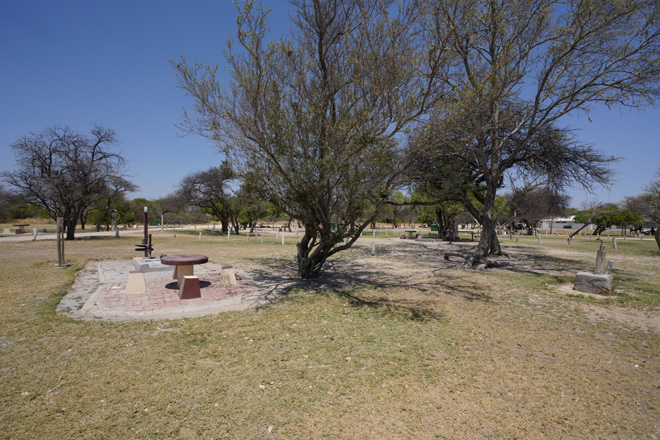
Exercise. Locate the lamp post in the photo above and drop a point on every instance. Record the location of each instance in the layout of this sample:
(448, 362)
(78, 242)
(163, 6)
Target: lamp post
(145, 240)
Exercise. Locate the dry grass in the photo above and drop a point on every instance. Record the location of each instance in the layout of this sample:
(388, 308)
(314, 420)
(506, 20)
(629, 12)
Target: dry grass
(401, 345)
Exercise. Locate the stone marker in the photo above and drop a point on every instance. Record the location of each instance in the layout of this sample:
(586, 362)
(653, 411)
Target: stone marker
(608, 269)
(599, 282)
(35, 232)
(373, 248)
(539, 238)
(614, 243)
(600, 260)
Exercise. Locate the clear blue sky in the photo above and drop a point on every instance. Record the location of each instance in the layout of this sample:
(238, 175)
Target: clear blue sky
(86, 62)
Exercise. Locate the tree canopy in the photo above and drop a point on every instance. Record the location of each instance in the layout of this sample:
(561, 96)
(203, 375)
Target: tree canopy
(515, 69)
(313, 116)
(65, 172)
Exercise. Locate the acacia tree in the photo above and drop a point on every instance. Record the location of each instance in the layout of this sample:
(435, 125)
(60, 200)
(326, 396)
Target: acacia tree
(313, 116)
(64, 172)
(606, 215)
(534, 205)
(113, 197)
(647, 204)
(210, 190)
(517, 67)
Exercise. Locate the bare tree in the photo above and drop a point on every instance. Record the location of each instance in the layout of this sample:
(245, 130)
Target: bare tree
(313, 116)
(64, 172)
(517, 67)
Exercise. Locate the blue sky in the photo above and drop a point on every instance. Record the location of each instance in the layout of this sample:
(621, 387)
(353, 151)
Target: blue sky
(86, 62)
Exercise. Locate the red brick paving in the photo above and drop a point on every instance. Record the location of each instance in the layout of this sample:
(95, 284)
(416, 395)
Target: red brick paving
(162, 294)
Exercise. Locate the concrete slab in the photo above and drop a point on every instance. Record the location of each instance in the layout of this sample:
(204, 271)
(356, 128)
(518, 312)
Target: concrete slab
(600, 284)
(100, 293)
(150, 264)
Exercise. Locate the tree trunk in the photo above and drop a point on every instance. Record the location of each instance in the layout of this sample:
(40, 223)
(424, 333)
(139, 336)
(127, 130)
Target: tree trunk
(224, 224)
(578, 231)
(312, 254)
(657, 238)
(70, 223)
(489, 244)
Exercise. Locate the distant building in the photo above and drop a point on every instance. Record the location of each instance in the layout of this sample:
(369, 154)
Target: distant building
(562, 223)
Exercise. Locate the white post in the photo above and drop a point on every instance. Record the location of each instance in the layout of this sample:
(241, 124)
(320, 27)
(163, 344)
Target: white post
(297, 236)
(538, 237)
(116, 232)
(277, 234)
(229, 233)
(282, 239)
(570, 241)
(262, 237)
(161, 223)
(35, 231)
(614, 243)
(200, 235)
(373, 248)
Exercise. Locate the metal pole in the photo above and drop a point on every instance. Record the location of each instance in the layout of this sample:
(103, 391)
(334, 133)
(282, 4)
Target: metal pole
(145, 240)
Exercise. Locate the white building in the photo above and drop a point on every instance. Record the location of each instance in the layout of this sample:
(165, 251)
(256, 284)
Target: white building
(562, 223)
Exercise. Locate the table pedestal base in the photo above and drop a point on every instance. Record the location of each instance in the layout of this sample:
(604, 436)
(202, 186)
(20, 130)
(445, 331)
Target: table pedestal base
(189, 288)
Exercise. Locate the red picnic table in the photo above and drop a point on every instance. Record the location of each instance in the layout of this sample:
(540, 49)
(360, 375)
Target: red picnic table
(184, 273)
(20, 229)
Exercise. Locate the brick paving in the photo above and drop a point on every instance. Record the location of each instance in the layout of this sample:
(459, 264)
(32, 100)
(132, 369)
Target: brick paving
(162, 293)
(99, 293)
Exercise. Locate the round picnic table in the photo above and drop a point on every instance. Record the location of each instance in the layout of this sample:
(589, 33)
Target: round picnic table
(20, 228)
(183, 264)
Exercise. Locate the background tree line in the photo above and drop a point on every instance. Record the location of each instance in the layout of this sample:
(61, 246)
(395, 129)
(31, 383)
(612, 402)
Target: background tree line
(455, 103)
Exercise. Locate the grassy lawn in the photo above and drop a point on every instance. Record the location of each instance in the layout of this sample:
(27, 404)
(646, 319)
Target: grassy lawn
(393, 346)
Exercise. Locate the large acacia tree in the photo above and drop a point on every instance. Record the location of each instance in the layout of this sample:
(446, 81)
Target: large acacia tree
(210, 190)
(313, 116)
(65, 172)
(516, 69)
